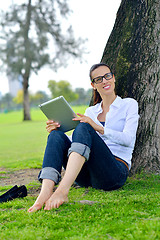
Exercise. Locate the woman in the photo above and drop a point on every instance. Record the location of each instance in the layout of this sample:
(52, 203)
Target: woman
(101, 149)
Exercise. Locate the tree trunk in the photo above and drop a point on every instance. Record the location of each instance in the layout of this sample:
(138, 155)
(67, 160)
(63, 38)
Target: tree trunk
(26, 105)
(133, 52)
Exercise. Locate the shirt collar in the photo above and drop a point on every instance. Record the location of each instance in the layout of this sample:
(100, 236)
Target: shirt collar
(116, 103)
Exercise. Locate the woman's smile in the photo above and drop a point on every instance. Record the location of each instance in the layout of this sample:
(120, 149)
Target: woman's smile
(107, 87)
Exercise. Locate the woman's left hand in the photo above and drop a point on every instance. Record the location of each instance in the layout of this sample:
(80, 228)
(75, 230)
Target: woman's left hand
(85, 119)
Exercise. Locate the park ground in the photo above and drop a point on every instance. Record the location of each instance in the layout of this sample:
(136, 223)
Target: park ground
(130, 213)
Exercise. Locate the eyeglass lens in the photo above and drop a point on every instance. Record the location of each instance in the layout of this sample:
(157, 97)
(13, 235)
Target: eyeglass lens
(99, 79)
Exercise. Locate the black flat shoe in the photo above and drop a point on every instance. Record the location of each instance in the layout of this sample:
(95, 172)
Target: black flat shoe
(13, 189)
(21, 192)
(14, 192)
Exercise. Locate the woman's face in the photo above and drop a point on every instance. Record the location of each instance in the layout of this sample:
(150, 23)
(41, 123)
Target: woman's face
(106, 87)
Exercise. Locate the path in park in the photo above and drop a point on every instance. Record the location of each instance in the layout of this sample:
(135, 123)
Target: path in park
(29, 176)
(20, 177)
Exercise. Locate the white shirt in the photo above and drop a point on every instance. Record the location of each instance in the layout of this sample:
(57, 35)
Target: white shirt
(120, 126)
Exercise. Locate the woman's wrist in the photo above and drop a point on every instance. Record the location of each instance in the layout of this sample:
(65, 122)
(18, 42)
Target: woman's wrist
(97, 127)
(101, 130)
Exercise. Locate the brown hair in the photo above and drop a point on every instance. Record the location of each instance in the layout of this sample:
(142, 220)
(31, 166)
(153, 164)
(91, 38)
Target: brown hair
(96, 96)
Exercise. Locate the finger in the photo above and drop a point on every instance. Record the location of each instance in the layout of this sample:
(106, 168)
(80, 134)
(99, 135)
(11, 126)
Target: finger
(51, 128)
(76, 119)
(49, 121)
(79, 114)
(54, 124)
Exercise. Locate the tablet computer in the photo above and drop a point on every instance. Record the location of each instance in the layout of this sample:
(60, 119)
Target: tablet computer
(59, 110)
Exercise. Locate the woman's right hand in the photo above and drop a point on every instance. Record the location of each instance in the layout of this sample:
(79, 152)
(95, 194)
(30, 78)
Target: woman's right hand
(52, 125)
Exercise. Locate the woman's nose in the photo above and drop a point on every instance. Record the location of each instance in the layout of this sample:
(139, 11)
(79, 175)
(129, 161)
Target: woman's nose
(104, 80)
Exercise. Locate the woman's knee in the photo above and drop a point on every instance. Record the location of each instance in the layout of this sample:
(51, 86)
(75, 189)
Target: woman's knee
(83, 127)
(56, 136)
(83, 134)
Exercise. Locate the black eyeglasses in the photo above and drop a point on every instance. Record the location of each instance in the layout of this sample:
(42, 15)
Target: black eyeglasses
(99, 79)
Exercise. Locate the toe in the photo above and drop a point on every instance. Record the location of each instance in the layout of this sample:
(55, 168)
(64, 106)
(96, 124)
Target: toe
(35, 208)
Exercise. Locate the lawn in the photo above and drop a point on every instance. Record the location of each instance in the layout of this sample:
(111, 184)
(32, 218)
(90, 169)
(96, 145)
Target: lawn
(132, 212)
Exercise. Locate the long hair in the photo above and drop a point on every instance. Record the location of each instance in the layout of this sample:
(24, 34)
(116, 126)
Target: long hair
(96, 96)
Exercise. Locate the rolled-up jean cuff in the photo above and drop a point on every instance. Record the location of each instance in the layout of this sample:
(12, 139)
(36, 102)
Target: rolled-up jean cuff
(80, 148)
(49, 173)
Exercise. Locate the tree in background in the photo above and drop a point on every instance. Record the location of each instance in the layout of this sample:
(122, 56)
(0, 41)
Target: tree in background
(35, 99)
(84, 96)
(6, 103)
(18, 99)
(33, 37)
(38, 98)
(132, 51)
(62, 88)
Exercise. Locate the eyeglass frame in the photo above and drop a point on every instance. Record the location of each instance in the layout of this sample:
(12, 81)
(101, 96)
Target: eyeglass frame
(111, 74)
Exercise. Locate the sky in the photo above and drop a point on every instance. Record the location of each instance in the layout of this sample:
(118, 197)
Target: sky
(91, 19)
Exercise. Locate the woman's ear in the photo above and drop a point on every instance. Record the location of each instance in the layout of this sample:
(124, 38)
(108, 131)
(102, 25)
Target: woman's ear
(92, 84)
(114, 78)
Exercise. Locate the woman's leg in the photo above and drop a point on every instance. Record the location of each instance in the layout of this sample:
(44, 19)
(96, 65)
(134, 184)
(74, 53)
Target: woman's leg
(74, 165)
(55, 153)
(101, 170)
(45, 193)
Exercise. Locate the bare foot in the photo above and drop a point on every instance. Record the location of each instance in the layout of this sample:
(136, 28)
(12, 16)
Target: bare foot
(57, 199)
(37, 206)
(42, 198)
(45, 194)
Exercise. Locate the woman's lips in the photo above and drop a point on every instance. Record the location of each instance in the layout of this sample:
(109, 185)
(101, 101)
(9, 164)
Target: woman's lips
(107, 87)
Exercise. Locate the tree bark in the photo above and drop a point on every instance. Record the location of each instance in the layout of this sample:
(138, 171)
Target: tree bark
(26, 105)
(133, 52)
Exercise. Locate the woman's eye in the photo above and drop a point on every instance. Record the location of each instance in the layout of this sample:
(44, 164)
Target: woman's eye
(98, 79)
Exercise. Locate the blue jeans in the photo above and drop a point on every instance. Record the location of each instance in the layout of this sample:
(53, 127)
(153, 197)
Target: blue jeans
(101, 170)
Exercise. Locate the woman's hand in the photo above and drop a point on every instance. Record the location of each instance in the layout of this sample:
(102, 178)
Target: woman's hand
(52, 125)
(83, 118)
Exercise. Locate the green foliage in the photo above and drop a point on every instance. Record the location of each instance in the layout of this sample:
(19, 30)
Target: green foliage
(27, 29)
(6, 102)
(84, 96)
(19, 98)
(27, 32)
(38, 98)
(62, 88)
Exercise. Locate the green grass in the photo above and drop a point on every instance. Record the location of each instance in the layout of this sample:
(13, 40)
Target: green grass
(132, 212)
(23, 143)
